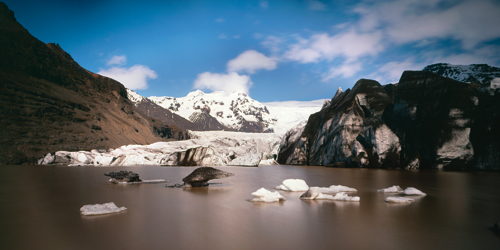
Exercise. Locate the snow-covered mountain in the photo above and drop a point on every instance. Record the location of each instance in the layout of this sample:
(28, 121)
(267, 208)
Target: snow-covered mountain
(236, 111)
(473, 73)
(232, 111)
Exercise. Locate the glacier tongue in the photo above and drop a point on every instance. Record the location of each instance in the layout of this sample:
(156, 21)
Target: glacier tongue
(208, 148)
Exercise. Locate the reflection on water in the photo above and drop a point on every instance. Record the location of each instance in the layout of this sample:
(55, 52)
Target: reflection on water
(39, 209)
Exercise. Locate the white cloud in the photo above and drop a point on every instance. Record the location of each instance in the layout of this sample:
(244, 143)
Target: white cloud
(348, 45)
(391, 71)
(117, 60)
(135, 77)
(236, 36)
(272, 43)
(250, 61)
(316, 5)
(220, 20)
(230, 82)
(404, 21)
(345, 70)
(222, 36)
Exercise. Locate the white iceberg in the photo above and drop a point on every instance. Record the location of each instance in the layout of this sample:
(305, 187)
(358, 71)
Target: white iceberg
(344, 197)
(294, 185)
(264, 195)
(414, 191)
(392, 199)
(314, 194)
(393, 189)
(98, 209)
(336, 189)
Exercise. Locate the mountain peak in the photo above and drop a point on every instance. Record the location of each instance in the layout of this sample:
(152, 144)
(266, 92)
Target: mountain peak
(6, 13)
(474, 73)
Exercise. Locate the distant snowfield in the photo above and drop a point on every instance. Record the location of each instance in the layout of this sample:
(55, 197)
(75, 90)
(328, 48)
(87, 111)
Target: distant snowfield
(291, 113)
(231, 109)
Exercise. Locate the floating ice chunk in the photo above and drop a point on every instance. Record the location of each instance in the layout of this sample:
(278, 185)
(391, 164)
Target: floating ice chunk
(264, 195)
(336, 189)
(344, 197)
(414, 191)
(392, 199)
(98, 209)
(293, 185)
(393, 189)
(313, 194)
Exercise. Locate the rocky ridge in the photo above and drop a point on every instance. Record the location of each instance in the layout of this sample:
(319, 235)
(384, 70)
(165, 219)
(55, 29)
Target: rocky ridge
(424, 121)
(50, 103)
(473, 73)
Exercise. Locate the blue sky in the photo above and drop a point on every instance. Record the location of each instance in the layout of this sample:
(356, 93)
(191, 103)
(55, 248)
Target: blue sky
(273, 50)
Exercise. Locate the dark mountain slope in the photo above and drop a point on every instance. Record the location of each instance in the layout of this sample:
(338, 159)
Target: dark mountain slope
(49, 103)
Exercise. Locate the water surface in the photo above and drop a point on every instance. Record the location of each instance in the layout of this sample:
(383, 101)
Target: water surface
(39, 209)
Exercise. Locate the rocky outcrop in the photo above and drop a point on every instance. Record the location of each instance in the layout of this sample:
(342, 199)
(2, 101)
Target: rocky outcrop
(123, 176)
(424, 121)
(348, 131)
(200, 176)
(434, 116)
(49, 103)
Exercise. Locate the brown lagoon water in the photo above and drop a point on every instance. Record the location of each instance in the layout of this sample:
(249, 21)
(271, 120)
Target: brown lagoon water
(39, 209)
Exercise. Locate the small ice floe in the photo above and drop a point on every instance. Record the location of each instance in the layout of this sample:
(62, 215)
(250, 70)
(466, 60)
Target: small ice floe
(344, 197)
(264, 195)
(98, 209)
(392, 199)
(393, 189)
(336, 189)
(414, 191)
(294, 185)
(314, 194)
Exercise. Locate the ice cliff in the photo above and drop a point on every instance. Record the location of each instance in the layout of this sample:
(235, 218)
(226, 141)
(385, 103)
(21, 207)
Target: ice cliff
(208, 148)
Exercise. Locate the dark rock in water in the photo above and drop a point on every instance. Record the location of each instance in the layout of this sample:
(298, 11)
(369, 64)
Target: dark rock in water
(200, 176)
(123, 176)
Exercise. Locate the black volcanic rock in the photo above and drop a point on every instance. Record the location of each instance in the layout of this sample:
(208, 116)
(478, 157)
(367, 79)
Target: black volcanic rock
(346, 132)
(433, 115)
(424, 121)
(200, 176)
(123, 176)
(49, 103)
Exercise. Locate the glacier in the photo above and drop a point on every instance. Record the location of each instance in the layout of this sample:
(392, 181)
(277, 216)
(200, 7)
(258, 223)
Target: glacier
(214, 148)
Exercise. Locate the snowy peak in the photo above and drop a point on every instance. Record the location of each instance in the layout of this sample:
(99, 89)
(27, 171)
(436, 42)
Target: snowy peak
(236, 111)
(473, 73)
